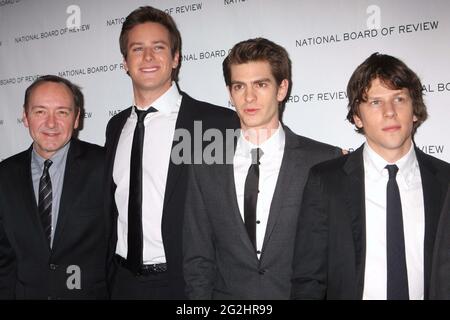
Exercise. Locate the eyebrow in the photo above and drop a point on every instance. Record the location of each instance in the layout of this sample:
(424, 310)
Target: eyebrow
(154, 42)
(255, 81)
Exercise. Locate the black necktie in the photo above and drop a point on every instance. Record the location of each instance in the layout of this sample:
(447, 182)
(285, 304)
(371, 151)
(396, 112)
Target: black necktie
(134, 240)
(397, 276)
(251, 195)
(45, 200)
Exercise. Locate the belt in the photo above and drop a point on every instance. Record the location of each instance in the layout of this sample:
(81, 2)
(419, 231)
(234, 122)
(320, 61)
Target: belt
(145, 269)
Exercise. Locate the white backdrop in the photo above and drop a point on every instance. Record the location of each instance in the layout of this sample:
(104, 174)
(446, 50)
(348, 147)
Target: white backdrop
(326, 39)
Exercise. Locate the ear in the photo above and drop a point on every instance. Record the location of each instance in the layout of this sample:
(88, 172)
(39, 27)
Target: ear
(77, 120)
(358, 121)
(125, 65)
(231, 97)
(415, 118)
(282, 90)
(176, 60)
(25, 120)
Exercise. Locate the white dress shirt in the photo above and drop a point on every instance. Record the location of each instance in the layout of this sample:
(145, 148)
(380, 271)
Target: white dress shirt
(159, 133)
(269, 168)
(410, 185)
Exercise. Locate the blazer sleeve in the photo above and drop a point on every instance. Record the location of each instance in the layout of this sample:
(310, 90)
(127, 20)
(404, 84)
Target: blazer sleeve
(8, 265)
(311, 245)
(198, 246)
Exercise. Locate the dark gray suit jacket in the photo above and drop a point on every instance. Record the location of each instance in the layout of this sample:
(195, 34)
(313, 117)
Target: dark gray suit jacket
(219, 259)
(329, 260)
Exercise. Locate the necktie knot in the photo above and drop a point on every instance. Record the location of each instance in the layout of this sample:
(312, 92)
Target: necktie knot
(141, 114)
(47, 164)
(392, 170)
(256, 153)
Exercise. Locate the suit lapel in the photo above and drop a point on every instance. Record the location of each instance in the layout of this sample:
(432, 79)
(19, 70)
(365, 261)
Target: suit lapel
(292, 157)
(72, 184)
(185, 120)
(355, 203)
(433, 194)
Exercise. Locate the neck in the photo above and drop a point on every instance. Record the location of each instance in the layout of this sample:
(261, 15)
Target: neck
(144, 98)
(392, 155)
(257, 136)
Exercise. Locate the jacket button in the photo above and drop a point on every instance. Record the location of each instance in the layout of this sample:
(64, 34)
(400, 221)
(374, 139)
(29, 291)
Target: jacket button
(262, 271)
(53, 266)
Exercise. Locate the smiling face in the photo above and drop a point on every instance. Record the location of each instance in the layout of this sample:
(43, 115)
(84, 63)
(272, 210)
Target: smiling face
(149, 59)
(50, 117)
(256, 95)
(387, 118)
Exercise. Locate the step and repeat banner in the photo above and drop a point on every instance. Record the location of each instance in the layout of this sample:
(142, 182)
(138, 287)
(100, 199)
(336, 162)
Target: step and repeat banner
(326, 41)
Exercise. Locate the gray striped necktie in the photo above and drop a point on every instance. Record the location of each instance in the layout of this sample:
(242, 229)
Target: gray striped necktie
(45, 200)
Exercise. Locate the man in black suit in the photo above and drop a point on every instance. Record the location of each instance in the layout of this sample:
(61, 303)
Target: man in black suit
(53, 229)
(368, 220)
(241, 217)
(146, 191)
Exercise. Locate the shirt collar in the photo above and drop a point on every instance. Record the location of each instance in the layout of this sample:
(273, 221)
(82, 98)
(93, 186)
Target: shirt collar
(167, 103)
(270, 147)
(57, 158)
(407, 165)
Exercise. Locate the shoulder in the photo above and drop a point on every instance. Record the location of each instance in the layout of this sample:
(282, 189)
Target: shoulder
(202, 110)
(14, 161)
(88, 149)
(439, 166)
(312, 145)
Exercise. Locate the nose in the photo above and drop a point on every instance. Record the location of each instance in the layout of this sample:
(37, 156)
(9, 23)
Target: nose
(148, 54)
(50, 121)
(249, 94)
(389, 109)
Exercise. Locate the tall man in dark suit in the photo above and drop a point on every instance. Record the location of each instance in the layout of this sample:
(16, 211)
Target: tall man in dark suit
(145, 187)
(368, 220)
(53, 229)
(241, 217)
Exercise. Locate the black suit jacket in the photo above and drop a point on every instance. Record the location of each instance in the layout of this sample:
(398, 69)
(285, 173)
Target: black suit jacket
(29, 269)
(190, 110)
(220, 260)
(440, 274)
(329, 261)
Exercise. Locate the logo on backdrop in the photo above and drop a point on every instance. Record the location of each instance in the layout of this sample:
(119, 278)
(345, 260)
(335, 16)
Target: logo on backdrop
(432, 149)
(204, 55)
(230, 2)
(73, 25)
(115, 21)
(113, 111)
(74, 19)
(374, 30)
(190, 8)
(8, 2)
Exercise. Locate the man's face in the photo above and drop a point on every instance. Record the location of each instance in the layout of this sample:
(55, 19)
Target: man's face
(256, 95)
(387, 118)
(149, 59)
(50, 117)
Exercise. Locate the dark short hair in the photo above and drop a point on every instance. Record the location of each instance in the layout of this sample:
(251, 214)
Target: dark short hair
(260, 49)
(77, 95)
(393, 73)
(149, 14)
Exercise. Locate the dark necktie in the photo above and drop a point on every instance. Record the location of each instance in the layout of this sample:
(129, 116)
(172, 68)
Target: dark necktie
(397, 276)
(134, 240)
(45, 201)
(251, 195)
